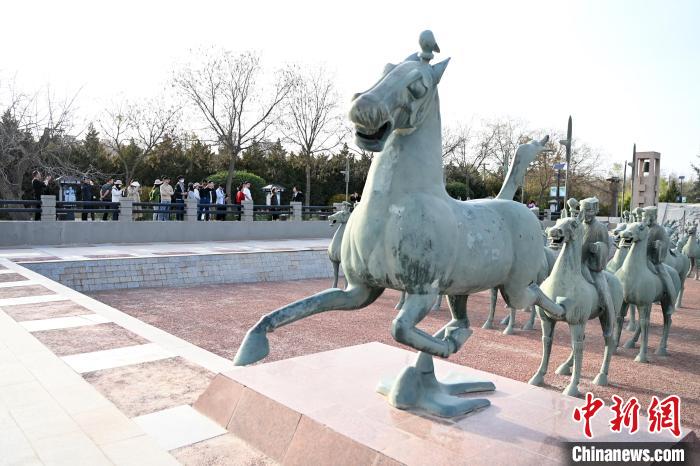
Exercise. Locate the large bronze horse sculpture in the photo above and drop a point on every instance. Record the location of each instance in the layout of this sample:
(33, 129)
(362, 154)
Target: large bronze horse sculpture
(408, 234)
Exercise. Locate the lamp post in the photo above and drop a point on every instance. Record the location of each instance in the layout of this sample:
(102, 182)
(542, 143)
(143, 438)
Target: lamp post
(682, 177)
(558, 167)
(567, 144)
(346, 172)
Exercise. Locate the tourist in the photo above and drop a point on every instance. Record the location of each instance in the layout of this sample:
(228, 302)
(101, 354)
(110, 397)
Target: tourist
(220, 201)
(274, 202)
(179, 198)
(86, 195)
(240, 197)
(38, 189)
(154, 197)
(133, 192)
(355, 198)
(106, 195)
(166, 197)
(205, 198)
(116, 197)
(297, 196)
(246, 191)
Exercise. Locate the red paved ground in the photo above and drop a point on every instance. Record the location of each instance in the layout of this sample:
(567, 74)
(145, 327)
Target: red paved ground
(216, 317)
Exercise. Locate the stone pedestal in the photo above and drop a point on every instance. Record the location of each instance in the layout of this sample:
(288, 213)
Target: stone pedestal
(296, 211)
(48, 208)
(247, 211)
(190, 210)
(126, 209)
(323, 408)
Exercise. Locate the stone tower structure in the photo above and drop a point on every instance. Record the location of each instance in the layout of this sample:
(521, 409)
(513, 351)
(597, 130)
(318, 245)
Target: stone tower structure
(645, 179)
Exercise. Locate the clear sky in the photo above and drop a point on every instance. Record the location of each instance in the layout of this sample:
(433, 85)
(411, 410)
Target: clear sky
(628, 71)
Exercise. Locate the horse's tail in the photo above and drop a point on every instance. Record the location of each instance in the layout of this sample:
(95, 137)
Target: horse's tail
(525, 154)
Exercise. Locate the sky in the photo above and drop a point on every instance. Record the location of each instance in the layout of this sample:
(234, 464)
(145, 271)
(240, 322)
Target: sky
(628, 71)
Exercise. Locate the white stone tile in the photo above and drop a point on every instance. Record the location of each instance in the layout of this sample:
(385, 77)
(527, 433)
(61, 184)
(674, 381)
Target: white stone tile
(44, 298)
(107, 425)
(107, 359)
(179, 426)
(24, 394)
(2, 271)
(17, 283)
(15, 449)
(42, 420)
(138, 451)
(14, 373)
(63, 322)
(73, 448)
(79, 397)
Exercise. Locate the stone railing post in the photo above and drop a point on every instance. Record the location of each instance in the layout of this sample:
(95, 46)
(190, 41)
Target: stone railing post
(190, 210)
(126, 207)
(48, 208)
(547, 214)
(296, 211)
(247, 211)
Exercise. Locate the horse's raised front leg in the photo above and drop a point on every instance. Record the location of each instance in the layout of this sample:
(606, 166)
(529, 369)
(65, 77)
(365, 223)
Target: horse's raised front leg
(668, 311)
(578, 334)
(644, 314)
(255, 345)
(602, 377)
(404, 330)
(679, 301)
(492, 309)
(547, 335)
(530, 324)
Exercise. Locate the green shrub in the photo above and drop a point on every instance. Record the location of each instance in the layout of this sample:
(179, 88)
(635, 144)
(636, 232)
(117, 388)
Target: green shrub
(457, 190)
(256, 184)
(335, 198)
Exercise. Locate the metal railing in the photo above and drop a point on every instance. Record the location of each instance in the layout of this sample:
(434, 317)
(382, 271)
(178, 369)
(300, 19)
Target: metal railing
(27, 205)
(272, 212)
(316, 212)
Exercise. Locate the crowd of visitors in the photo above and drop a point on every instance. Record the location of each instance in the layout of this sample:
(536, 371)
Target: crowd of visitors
(211, 197)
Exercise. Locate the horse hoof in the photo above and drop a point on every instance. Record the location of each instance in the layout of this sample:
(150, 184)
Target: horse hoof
(508, 331)
(641, 358)
(528, 326)
(488, 325)
(661, 351)
(629, 344)
(254, 348)
(506, 320)
(572, 390)
(563, 370)
(601, 379)
(537, 379)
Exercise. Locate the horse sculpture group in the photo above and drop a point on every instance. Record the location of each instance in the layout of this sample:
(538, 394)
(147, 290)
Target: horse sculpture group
(408, 234)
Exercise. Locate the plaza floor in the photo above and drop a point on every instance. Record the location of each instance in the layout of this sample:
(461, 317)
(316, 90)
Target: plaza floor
(110, 378)
(216, 317)
(85, 384)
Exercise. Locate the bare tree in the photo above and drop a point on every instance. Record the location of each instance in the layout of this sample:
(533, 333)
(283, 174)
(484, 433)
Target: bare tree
(312, 121)
(225, 90)
(33, 134)
(143, 125)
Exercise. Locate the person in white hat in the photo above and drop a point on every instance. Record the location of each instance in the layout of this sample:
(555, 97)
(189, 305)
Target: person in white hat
(116, 196)
(133, 192)
(154, 197)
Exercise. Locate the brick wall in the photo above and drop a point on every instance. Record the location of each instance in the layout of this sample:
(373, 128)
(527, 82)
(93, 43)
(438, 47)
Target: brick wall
(108, 274)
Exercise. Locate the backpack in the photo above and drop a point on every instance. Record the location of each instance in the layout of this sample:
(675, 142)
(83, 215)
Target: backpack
(240, 197)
